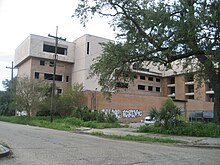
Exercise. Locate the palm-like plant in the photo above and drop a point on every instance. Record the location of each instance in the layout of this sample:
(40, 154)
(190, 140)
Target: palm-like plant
(167, 116)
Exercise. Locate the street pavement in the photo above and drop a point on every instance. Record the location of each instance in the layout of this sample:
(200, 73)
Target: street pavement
(41, 146)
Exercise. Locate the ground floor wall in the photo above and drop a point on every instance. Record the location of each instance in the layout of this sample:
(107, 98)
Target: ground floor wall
(133, 108)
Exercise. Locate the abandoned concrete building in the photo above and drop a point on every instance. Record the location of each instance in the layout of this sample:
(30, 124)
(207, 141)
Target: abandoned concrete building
(151, 87)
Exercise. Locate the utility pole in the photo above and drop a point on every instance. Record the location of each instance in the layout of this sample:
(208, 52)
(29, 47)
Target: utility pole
(12, 70)
(11, 84)
(54, 74)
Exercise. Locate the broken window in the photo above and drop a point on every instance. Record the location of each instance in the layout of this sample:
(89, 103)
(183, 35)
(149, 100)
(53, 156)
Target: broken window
(51, 49)
(141, 87)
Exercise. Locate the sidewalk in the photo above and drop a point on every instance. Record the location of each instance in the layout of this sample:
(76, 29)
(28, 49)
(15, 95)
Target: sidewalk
(205, 142)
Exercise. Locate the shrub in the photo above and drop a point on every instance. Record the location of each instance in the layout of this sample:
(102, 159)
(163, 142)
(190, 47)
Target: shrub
(186, 129)
(168, 116)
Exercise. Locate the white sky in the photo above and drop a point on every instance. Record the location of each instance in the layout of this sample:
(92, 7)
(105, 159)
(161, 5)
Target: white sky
(20, 18)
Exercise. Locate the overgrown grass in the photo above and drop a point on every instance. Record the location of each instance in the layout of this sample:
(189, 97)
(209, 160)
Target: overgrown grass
(68, 123)
(186, 129)
(137, 138)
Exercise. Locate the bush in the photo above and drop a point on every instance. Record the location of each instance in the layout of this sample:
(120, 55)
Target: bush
(168, 116)
(85, 114)
(186, 129)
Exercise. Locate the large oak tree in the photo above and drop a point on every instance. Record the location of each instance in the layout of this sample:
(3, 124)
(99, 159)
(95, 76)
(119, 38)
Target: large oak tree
(159, 31)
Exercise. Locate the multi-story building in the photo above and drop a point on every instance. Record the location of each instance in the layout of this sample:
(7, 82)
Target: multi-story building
(150, 88)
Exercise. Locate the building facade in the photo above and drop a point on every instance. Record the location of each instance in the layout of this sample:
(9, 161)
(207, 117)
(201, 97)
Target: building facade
(150, 88)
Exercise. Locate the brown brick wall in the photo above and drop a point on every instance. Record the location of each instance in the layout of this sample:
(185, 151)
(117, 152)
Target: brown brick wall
(143, 103)
(180, 87)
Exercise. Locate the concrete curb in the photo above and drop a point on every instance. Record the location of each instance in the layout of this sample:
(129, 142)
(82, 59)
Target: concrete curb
(122, 133)
(4, 151)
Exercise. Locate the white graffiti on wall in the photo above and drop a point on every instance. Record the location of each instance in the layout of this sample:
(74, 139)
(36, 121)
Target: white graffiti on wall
(132, 113)
(115, 111)
(127, 113)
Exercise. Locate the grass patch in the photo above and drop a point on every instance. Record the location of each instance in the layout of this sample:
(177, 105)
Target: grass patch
(186, 129)
(67, 124)
(137, 138)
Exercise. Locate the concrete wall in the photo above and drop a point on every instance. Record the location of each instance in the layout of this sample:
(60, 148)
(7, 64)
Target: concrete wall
(84, 60)
(33, 47)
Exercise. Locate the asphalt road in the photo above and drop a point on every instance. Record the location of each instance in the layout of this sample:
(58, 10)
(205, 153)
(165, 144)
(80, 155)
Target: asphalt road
(40, 146)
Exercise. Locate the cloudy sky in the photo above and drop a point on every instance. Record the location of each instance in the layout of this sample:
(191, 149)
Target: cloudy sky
(20, 18)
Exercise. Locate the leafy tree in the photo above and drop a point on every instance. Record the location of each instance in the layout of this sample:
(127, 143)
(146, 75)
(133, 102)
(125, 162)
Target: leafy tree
(159, 31)
(6, 98)
(72, 99)
(168, 116)
(29, 93)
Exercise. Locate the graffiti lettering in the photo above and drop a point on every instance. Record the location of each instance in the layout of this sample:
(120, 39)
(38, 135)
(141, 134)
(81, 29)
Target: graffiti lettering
(127, 113)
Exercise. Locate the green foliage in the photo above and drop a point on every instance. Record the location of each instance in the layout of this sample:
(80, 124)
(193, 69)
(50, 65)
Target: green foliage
(29, 94)
(168, 116)
(72, 99)
(68, 123)
(186, 129)
(158, 32)
(136, 138)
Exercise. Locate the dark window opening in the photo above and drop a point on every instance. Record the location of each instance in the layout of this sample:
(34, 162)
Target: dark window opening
(87, 49)
(42, 62)
(150, 88)
(157, 89)
(171, 80)
(59, 91)
(142, 77)
(51, 49)
(67, 78)
(121, 85)
(190, 89)
(171, 90)
(51, 64)
(141, 87)
(150, 79)
(157, 79)
(36, 75)
(50, 77)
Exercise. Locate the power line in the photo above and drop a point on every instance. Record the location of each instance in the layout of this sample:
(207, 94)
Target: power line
(54, 72)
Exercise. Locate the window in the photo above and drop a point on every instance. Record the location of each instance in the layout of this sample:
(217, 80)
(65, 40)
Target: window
(172, 90)
(157, 89)
(150, 88)
(87, 49)
(59, 91)
(141, 87)
(157, 79)
(142, 77)
(150, 79)
(42, 62)
(51, 64)
(171, 80)
(67, 78)
(190, 88)
(51, 49)
(50, 77)
(36, 75)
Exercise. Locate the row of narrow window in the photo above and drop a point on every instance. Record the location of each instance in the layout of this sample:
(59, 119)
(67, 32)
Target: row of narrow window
(48, 76)
(140, 87)
(142, 77)
(150, 88)
(51, 49)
